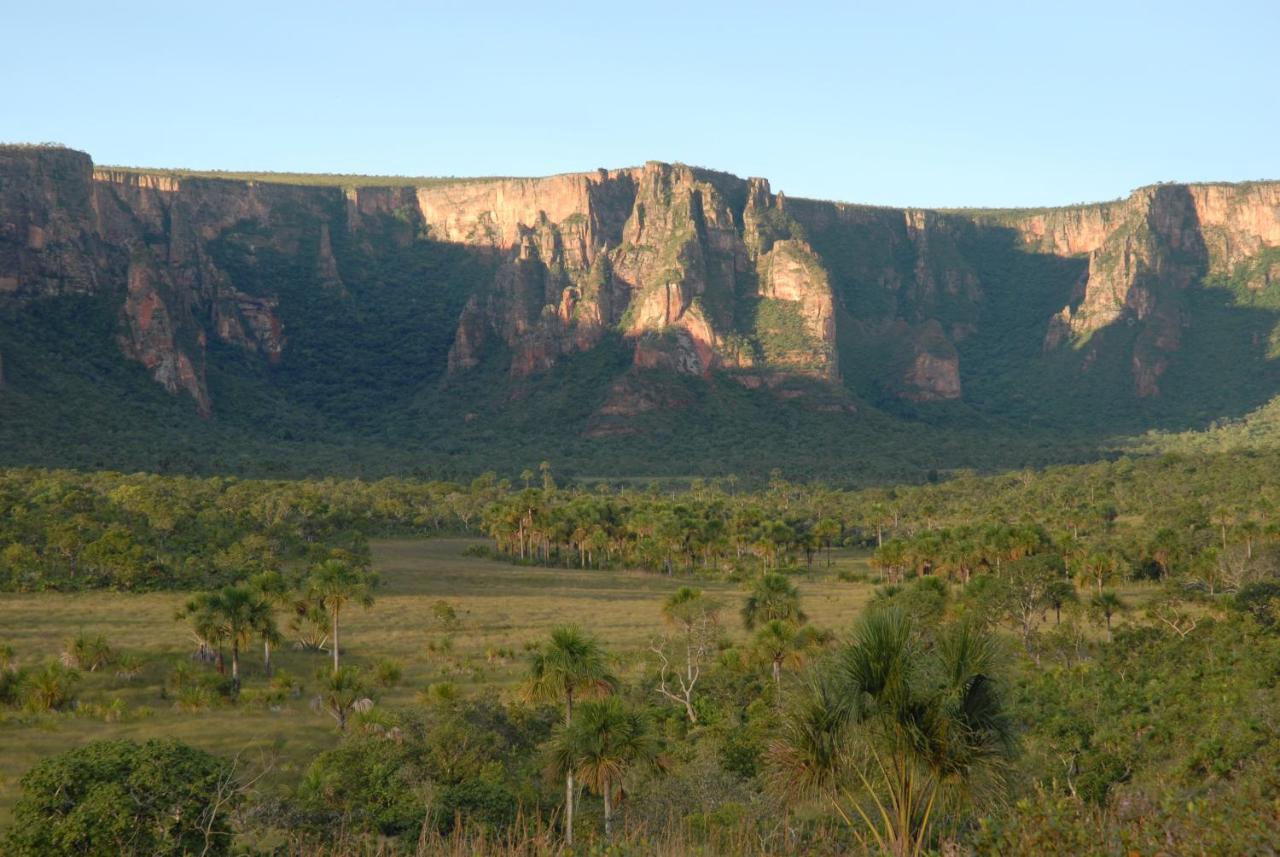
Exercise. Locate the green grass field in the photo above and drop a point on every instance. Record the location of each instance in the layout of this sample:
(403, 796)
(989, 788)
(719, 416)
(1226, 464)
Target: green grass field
(499, 607)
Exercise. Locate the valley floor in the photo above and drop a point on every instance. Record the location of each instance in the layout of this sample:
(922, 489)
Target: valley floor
(500, 608)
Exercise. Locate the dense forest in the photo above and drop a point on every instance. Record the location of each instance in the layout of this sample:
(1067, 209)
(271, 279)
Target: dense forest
(1079, 659)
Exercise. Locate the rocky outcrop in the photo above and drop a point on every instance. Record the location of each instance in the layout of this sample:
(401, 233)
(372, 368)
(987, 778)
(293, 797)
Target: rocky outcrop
(49, 243)
(697, 273)
(686, 276)
(68, 228)
(929, 367)
(1144, 253)
(150, 334)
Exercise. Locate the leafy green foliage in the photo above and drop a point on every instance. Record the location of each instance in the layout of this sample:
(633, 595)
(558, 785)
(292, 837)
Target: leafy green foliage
(113, 798)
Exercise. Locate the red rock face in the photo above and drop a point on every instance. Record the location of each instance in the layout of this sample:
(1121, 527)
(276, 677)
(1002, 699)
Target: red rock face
(657, 253)
(681, 262)
(149, 336)
(1144, 253)
(67, 228)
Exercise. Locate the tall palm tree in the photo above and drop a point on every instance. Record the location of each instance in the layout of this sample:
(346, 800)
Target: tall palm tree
(271, 588)
(570, 664)
(780, 643)
(243, 615)
(201, 613)
(1059, 594)
(1106, 604)
(603, 741)
(772, 597)
(891, 727)
(333, 585)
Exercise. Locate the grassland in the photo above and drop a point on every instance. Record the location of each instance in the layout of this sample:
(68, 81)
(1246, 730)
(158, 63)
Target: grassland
(500, 609)
(343, 180)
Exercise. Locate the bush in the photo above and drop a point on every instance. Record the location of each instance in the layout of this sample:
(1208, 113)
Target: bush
(368, 784)
(387, 672)
(476, 802)
(87, 653)
(1261, 601)
(120, 799)
(49, 688)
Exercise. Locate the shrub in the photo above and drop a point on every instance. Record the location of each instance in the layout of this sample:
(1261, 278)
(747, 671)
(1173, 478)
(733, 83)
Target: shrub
(445, 614)
(122, 799)
(476, 801)
(87, 653)
(49, 688)
(387, 672)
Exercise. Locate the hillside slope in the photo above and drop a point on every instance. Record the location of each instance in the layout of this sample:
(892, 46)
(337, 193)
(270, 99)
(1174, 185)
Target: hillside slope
(653, 320)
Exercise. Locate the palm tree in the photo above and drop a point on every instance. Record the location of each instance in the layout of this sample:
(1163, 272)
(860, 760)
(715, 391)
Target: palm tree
(48, 688)
(772, 597)
(890, 727)
(202, 614)
(826, 531)
(342, 692)
(604, 740)
(781, 643)
(243, 615)
(1059, 594)
(334, 584)
(570, 664)
(1106, 604)
(271, 588)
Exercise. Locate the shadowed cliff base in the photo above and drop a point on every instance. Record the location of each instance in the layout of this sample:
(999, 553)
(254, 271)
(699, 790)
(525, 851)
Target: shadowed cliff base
(661, 320)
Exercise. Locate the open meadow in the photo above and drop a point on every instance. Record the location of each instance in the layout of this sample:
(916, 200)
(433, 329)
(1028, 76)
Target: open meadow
(501, 609)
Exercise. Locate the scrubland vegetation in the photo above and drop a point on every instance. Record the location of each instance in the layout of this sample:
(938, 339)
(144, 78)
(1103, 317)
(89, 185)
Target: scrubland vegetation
(1077, 660)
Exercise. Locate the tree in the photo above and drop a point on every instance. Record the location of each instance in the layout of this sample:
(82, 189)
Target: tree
(1105, 605)
(568, 665)
(780, 643)
(1099, 567)
(891, 727)
(1027, 588)
(272, 589)
(772, 597)
(826, 531)
(696, 619)
(600, 744)
(343, 692)
(333, 585)
(1059, 594)
(121, 799)
(202, 614)
(243, 615)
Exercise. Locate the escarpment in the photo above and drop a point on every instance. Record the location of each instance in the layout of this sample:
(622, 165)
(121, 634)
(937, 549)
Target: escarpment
(692, 273)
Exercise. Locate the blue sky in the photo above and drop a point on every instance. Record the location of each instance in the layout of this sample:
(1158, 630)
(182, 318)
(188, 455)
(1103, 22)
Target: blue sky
(890, 103)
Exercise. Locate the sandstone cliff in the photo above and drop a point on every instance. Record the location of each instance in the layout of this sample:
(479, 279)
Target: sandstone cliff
(696, 272)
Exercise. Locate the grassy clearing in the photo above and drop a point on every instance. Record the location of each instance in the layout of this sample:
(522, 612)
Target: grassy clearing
(499, 607)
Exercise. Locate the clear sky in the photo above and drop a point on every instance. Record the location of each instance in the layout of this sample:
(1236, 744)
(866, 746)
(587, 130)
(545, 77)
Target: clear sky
(931, 104)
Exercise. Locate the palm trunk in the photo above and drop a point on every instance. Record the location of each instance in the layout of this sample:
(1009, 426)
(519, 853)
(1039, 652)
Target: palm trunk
(568, 780)
(335, 639)
(608, 811)
(235, 664)
(266, 657)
